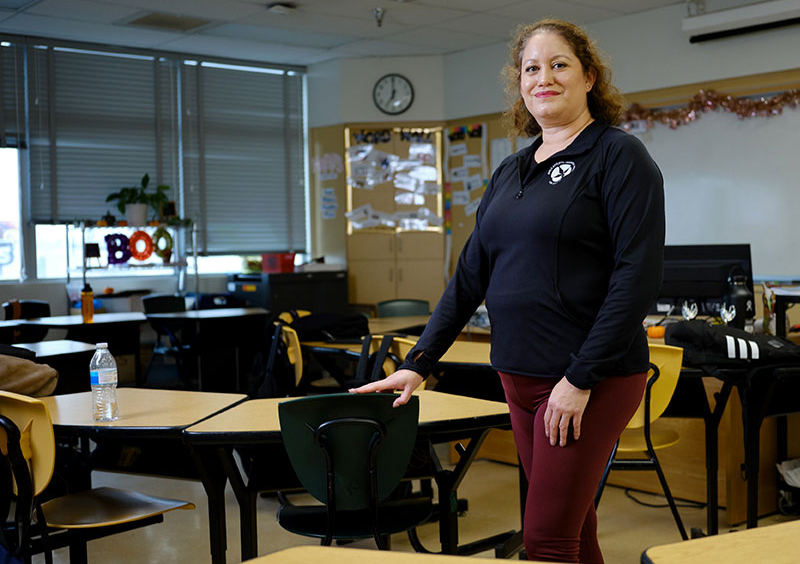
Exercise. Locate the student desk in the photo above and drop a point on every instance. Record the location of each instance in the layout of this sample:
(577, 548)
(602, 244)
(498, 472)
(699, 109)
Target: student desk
(119, 330)
(465, 353)
(399, 324)
(776, 544)
(143, 414)
(414, 324)
(69, 358)
(442, 418)
(341, 555)
(214, 331)
(7, 330)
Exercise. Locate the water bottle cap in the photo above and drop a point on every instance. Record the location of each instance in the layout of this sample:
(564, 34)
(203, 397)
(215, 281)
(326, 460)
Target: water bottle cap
(102, 345)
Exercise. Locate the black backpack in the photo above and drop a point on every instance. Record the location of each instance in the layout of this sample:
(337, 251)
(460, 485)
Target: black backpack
(723, 346)
(272, 375)
(325, 326)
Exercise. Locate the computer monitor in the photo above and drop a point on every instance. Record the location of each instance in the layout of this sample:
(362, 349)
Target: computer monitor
(701, 273)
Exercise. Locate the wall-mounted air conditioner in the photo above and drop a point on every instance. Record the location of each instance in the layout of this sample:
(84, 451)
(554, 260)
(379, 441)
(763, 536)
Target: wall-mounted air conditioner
(745, 19)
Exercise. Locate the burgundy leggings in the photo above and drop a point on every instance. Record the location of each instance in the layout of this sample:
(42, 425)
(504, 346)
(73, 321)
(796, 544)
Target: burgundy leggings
(560, 524)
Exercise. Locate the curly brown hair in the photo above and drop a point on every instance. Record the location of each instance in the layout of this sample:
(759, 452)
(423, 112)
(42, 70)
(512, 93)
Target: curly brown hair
(606, 103)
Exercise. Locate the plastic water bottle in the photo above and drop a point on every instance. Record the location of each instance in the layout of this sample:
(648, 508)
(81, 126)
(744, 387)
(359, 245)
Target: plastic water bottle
(103, 373)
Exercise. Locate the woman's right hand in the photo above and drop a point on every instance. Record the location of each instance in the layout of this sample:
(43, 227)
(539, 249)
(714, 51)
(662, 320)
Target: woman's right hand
(404, 380)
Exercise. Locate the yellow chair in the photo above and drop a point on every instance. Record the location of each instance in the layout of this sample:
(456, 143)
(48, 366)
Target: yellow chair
(640, 436)
(294, 352)
(27, 462)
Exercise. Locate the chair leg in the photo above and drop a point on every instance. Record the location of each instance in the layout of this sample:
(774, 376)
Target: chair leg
(384, 542)
(604, 478)
(77, 550)
(668, 495)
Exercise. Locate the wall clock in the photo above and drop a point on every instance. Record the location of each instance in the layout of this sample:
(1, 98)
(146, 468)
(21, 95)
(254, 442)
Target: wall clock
(393, 94)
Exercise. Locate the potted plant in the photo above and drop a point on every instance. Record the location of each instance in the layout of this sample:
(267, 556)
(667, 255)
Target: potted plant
(134, 200)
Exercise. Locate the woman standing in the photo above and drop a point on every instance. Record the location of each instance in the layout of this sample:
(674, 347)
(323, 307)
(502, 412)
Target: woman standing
(567, 253)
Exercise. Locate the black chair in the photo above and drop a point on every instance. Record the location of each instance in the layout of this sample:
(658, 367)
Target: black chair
(350, 452)
(403, 307)
(27, 309)
(172, 336)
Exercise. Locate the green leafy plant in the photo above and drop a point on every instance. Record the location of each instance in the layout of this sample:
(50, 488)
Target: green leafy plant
(139, 195)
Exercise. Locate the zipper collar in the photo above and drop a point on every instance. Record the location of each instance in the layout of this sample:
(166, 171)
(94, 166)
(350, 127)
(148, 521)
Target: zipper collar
(586, 140)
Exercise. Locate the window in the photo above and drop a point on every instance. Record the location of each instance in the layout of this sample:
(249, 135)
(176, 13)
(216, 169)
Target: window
(10, 255)
(229, 140)
(246, 183)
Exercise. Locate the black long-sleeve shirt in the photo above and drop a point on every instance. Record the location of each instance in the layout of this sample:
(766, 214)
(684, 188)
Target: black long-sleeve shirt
(567, 254)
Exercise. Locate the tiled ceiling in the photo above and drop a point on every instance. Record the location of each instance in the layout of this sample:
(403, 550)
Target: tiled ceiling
(314, 31)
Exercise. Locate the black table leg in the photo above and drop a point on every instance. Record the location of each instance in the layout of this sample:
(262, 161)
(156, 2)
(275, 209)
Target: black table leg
(246, 499)
(212, 474)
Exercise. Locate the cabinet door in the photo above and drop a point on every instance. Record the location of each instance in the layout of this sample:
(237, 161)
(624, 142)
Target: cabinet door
(371, 246)
(415, 245)
(420, 280)
(371, 281)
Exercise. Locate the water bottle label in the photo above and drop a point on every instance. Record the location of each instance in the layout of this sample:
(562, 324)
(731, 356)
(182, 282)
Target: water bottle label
(97, 377)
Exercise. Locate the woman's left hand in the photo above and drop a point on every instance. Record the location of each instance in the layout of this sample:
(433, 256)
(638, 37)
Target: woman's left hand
(566, 404)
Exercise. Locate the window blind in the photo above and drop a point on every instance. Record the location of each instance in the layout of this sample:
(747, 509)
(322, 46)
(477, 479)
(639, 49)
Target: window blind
(12, 101)
(228, 139)
(248, 159)
(100, 133)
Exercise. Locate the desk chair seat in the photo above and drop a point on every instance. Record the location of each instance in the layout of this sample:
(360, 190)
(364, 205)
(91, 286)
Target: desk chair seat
(640, 436)
(27, 309)
(27, 461)
(350, 452)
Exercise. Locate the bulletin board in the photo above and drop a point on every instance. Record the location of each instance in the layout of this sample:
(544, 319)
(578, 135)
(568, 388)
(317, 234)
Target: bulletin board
(473, 147)
(394, 178)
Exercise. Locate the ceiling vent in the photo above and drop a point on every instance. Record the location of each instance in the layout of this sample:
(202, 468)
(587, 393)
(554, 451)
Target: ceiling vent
(168, 22)
(738, 21)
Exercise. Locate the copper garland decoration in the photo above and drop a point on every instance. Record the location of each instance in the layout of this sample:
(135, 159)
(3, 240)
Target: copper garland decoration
(708, 100)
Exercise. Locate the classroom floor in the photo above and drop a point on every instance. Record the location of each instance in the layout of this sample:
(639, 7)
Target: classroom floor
(626, 528)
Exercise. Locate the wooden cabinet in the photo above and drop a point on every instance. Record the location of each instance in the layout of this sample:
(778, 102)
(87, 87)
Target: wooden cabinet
(387, 265)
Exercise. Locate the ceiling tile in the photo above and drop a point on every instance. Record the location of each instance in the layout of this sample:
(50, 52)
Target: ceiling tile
(30, 24)
(499, 27)
(325, 23)
(468, 5)
(448, 40)
(631, 6)
(243, 49)
(409, 13)
(276, 35)
(532, 10)
(226, 10)
(13, 4)
(378, 48)
(84, 10)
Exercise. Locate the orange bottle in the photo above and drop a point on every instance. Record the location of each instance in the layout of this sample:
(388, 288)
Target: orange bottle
(87, 304)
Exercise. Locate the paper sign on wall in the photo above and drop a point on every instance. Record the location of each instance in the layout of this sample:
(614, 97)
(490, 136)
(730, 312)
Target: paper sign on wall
(458, 174)
(474, 182)
(458, 149)
(460, 198)
(472, 161)
(472, 207)
(329, 203)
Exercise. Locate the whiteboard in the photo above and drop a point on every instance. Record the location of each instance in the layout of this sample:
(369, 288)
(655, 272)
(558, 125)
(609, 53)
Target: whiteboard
(731, 180)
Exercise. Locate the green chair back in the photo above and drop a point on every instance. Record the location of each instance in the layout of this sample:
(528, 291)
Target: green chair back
(402, 307)
(349, 436)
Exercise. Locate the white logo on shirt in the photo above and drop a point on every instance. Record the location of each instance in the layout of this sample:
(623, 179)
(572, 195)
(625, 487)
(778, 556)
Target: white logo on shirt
(559, 170)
